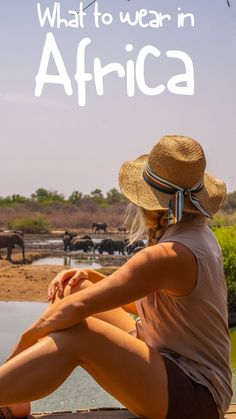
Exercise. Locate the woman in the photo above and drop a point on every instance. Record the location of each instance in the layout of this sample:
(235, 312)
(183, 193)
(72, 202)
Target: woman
(172, 364)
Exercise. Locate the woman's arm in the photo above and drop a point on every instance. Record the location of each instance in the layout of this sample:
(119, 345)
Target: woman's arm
(169, 266)
(95, 277)
(71, 277)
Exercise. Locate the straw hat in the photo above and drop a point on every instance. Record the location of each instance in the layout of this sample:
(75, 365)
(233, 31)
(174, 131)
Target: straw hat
(175, 165)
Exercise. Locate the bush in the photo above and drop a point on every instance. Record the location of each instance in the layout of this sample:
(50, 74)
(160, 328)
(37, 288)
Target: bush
(223, 219)
(226, 237)
(230, 202)
(34, 224)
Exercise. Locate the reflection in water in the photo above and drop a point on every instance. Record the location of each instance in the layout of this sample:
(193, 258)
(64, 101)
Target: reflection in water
(67, 261)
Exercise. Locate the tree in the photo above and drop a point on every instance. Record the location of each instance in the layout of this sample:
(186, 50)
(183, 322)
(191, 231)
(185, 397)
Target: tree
(18, 199)
(97, 196)
(44, 195)
(13, 199)
(40, 194)
(227, 239)
(230, 202)
(114, 196)
(75, 197)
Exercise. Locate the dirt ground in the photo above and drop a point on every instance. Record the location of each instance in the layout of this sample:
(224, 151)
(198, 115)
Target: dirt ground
(25, 282)
(28, 282)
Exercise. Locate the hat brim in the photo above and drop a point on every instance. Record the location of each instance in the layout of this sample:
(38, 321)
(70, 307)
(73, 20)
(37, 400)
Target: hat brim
(134, 187)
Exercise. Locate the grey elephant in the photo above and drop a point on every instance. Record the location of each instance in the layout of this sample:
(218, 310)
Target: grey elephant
(119, 246)
(81, 244)
(96, 227)
(110, 246)
(66, 238)
(135, 246)
(9, 240)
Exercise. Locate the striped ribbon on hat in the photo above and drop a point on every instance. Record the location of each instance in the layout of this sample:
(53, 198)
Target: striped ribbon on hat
(176, 204)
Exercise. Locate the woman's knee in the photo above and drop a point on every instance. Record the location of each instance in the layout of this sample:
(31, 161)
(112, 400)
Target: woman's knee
(82, 284)
(73, 341)
(68, 290)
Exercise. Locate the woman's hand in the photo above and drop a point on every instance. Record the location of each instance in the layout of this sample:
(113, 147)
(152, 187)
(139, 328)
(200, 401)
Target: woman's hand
(69, 277)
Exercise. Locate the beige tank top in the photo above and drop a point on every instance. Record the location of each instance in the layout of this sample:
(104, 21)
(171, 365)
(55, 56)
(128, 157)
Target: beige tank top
(192, 331)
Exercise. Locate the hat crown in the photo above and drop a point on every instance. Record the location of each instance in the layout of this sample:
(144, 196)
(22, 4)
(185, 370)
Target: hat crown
(178, 159)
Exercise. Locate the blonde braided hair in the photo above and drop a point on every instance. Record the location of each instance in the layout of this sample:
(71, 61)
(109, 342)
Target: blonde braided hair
(160, 224)
(146, 224)
(151, 225)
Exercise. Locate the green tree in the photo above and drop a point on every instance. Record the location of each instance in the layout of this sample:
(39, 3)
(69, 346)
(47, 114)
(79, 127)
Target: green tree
(97, 196)
(114, 196)
(33, 224)
(40, 194)
(227, 240)
(5, 201)
(230, 202)
(13, 199)
(48, 196)
(19, 199)
(75, 197)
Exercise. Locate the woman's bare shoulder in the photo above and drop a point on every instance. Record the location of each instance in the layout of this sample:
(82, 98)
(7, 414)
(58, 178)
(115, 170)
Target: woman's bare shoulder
(171, 264)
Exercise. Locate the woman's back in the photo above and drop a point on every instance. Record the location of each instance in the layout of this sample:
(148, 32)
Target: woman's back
(192, 330)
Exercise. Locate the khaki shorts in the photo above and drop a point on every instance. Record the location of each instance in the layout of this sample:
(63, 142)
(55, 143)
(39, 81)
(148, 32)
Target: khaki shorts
(187, 399)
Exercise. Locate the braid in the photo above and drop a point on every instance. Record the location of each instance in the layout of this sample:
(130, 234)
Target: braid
(146, 223)
(156, 232)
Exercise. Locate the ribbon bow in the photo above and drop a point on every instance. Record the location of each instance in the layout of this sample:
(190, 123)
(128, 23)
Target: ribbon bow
(176, 203)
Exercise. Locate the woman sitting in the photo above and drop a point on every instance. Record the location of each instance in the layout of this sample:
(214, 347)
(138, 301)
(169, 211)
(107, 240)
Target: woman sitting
(173, 363)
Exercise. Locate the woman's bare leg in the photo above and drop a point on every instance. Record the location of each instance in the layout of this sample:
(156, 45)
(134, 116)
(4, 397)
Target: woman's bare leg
(123, 365)
(117, 317)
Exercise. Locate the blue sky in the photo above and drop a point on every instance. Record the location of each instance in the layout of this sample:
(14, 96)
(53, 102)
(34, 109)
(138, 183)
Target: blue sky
(52, 142)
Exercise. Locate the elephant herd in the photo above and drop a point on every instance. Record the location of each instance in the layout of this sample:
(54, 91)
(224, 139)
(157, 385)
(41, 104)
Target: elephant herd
(73, 242)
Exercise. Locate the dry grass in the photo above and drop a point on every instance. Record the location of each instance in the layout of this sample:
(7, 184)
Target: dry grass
(63, 216)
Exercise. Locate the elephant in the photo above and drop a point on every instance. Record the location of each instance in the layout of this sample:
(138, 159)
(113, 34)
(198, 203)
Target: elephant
(110, 246)
(96, 227)
(9, 240)
(104, 246)
(81, 244)
(67, 237)
(119, 246)
(135, 246)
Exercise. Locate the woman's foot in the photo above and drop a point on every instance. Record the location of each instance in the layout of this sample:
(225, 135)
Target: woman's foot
(21, 410)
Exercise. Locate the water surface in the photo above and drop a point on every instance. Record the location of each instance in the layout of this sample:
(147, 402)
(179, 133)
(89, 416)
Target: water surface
(67, 261)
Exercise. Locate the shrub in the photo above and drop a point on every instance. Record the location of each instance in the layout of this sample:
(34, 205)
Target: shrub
(34, 224)
(230, 202)
(223, 219)
(226, 237)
